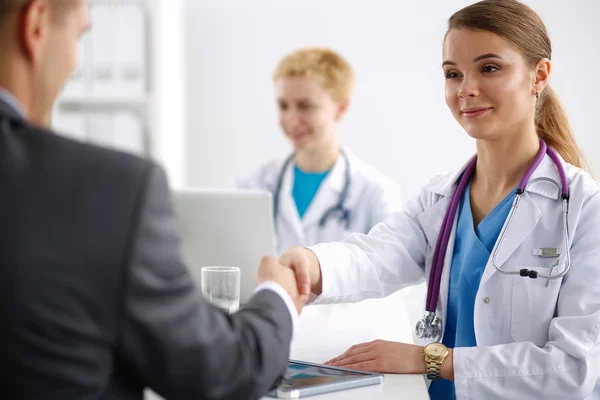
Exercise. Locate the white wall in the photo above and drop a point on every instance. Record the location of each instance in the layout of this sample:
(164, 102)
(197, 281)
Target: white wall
(168, 144)
(398, 120)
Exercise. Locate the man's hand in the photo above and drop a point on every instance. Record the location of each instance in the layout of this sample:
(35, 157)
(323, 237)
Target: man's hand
(305, 265)
(270, 270)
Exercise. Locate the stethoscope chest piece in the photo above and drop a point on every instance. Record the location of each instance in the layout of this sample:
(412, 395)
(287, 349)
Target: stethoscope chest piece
(430, 328)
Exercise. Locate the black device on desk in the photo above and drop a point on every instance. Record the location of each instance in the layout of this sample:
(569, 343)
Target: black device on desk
(304, 379)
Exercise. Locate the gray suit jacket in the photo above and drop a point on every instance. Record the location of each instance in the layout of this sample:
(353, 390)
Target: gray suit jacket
(95, 302)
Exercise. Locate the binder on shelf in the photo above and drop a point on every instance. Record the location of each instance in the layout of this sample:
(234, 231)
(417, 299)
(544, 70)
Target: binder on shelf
(103, 18)
(131, 49)
(106, 99)
(78, 82)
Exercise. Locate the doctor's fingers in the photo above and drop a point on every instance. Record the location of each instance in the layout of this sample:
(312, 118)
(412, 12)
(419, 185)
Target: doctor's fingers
(353, 360)
(300, 264)
(361, 348)
(369, 365)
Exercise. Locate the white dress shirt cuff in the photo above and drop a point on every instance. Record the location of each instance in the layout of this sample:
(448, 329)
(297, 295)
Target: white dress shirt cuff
(276, 287)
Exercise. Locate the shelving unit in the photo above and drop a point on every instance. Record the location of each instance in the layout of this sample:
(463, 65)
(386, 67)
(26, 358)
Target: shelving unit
(151, 107)
(108, 100)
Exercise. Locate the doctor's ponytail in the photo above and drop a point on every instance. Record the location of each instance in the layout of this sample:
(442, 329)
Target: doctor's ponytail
(553, 126)
(522, 26)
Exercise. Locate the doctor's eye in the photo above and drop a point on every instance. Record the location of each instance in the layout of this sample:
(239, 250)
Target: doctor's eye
(282, 106)
(451, 75)
(305, 106)
(489, 68)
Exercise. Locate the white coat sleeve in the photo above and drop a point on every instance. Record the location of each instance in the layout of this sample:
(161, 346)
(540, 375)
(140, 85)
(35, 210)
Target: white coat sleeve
(568, 366)
(389, 258)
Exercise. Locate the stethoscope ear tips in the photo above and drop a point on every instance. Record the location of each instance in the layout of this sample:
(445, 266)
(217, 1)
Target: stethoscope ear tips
(528, 273)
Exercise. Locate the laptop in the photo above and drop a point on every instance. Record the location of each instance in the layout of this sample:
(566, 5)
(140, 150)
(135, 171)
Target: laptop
(225, 227)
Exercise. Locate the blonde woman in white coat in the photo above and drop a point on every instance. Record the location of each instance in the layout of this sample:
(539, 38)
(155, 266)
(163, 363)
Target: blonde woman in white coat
(321, 191)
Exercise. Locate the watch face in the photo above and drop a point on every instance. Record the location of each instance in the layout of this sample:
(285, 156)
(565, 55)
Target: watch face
(436, 350)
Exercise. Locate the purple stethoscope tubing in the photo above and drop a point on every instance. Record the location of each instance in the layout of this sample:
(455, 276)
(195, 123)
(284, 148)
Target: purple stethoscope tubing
(435, 275)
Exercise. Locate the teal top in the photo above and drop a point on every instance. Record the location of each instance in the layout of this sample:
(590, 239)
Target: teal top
(306, 185)
(472, 249)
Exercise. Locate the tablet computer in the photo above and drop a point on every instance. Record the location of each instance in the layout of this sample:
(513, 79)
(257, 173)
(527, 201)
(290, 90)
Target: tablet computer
(304, 379)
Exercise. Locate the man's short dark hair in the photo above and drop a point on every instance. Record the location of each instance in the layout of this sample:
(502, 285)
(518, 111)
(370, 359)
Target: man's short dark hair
(9, 6)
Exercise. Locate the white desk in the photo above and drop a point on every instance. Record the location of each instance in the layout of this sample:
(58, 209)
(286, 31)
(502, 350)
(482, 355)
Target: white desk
(326, 331)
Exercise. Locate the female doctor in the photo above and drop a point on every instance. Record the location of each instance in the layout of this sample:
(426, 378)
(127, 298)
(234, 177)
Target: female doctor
(509, 243)
(320, 191)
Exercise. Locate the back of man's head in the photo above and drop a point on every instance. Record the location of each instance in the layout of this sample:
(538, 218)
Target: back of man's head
(40, 50)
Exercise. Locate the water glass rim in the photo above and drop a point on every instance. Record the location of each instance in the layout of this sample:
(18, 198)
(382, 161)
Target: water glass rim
(220, 269)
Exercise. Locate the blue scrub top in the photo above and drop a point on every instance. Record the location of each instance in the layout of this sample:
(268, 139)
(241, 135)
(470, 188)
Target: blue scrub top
(472, 249)
(306, 185)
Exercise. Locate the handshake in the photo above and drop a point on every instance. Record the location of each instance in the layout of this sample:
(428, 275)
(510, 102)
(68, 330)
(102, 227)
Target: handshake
(297, 271)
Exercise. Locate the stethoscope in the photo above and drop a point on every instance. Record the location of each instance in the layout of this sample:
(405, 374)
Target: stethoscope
(338, 208)
(430, 327)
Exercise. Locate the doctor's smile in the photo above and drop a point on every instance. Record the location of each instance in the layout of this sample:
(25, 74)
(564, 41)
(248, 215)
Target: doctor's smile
(475, 112)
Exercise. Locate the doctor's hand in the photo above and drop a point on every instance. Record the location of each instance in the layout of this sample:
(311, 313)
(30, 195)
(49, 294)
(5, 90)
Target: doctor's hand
(383, 356)
(270, 270)
(305, 265)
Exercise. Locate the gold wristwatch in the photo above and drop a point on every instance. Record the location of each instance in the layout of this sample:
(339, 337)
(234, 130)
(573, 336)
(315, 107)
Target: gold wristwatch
(435, 353)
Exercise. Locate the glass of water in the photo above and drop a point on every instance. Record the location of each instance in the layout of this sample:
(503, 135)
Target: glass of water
(221, 287)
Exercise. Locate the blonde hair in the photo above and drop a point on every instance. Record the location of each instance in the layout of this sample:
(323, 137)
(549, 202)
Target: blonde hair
(523, 27)
(323, 64)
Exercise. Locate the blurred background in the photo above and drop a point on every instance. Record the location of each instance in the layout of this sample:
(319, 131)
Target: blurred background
(188, 82)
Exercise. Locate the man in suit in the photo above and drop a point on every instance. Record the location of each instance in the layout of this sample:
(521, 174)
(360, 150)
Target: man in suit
(95, 302)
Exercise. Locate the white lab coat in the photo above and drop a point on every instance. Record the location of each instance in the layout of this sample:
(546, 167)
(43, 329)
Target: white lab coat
(372, 198)
(532, 341)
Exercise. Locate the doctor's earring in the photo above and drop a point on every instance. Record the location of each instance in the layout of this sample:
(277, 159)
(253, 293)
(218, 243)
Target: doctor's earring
(537, 94)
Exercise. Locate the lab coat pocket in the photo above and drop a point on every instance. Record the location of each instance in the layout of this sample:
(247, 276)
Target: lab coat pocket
(533, 305)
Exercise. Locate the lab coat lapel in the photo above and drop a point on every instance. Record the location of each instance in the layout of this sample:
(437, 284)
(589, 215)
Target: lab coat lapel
(525, 218)
(288, 210)
(328, 194)
(527, 215)
(432, 218)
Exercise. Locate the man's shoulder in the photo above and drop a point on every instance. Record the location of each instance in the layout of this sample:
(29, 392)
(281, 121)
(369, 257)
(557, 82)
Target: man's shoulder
(98, 162)
(66, 166)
